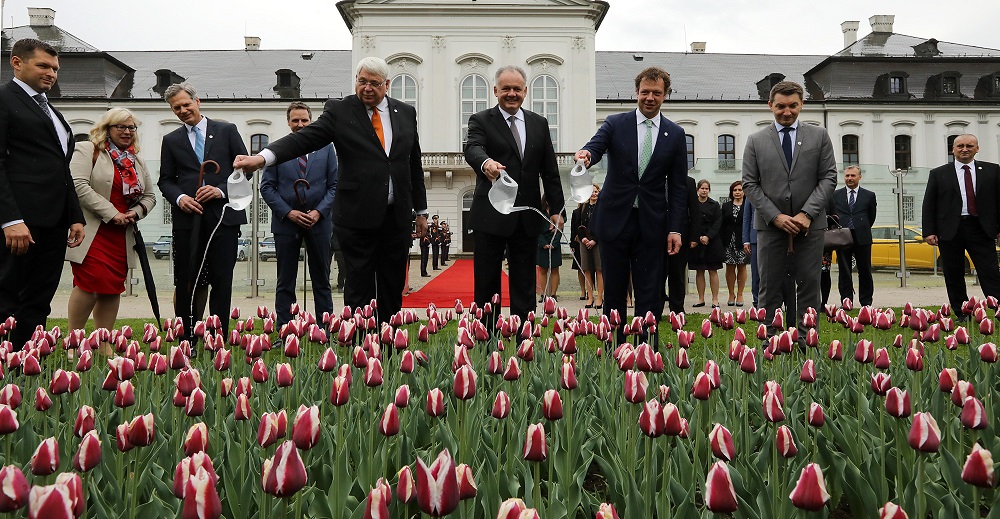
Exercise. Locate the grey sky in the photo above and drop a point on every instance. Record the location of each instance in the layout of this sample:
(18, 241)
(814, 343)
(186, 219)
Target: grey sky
(733, 26)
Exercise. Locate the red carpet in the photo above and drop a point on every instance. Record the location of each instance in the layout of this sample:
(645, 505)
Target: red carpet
(454, 282)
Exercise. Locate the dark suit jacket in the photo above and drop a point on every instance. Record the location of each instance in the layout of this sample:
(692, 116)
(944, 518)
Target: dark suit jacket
(363, 188)
(692, 219)
(35, 182)
(943, 200)
(863, 215)
(277, 188)
(490, 138)
(659, 214)
(179, 171)
(749, 233)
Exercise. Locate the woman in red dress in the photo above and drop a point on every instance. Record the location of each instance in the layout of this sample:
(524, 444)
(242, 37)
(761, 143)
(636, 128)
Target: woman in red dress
(115, 192)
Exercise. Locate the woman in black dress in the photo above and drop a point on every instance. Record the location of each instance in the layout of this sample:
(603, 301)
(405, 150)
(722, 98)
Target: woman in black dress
(732, 238)
(590, 254)
(707, 251)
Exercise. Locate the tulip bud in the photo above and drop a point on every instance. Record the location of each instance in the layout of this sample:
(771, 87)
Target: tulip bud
(720, 495)
(89, 454)
(406, 488)
(435, 402)
(284, 474)
(341, 391)
(881, 383)
(142, 430)
(897, 403)
(377, 504)
(963, 389)
(50, 502)
(810, 490)
(772, 407)
(816, 417)
(15, 489)
(464, 383)
(195, 404)
(748, 361)
(988, 352)
(974, 414)
(947, 380)
(501, 406)
(978, 468)
(882, 359)
(45, 460)
(437, 486)
(124, 395)
(785, 443)
(925, 436)
(722, 443)
(535, 448)
(552, 408)
(891, 511)
(466, 483)
(196, 439)
(42, 400)
(389, 424)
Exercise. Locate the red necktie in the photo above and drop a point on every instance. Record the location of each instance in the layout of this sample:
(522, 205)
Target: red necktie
(970, 191)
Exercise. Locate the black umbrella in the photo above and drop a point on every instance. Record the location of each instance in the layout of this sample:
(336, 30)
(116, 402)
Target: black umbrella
(196, 252)
(307, 233)
(147, 273)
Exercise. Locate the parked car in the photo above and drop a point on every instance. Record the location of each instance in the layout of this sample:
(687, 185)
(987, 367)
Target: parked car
(919, 253)
(266, 250)
(243, 249)
(161, 247)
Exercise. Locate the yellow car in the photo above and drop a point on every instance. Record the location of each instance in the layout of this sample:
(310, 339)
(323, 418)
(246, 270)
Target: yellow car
(919, 254)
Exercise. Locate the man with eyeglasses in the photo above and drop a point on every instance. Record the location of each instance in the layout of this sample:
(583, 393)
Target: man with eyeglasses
(381, 184)
(182, 153)
(38, 203)
(960, 215)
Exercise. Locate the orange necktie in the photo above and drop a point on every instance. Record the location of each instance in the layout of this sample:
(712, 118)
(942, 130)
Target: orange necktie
(377, 123)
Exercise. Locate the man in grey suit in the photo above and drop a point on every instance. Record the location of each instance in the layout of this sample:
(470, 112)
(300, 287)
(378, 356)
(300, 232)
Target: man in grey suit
(789, 173)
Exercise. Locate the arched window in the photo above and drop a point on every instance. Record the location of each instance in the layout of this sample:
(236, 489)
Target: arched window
(545, 102)
(951, 144)
(851, 151)
(475, 97)
(902, 146)
(258, 141)
(404, 88)
(727, 152)
(689, 140)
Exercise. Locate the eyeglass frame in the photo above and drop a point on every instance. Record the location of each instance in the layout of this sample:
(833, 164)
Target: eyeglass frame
(374, 84)
(123, 127)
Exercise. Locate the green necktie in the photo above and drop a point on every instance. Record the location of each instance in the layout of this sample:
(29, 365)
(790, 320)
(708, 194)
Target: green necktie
(647, 147)
(647, 152)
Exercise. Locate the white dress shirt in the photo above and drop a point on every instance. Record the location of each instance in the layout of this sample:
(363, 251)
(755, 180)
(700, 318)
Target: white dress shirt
(518, 122)
(961, 183)
(640, 121)
(203, 128)
(792, 135)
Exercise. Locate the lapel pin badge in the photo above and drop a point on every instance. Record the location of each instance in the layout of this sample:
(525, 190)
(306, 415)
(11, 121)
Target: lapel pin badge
(798, 144)
(665, 134)
(211, 136)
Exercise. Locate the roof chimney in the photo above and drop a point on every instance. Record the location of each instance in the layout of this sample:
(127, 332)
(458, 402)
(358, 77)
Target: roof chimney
(252, 42)
(850, 30)
(698, 47)
(41, 17)
(882, 22)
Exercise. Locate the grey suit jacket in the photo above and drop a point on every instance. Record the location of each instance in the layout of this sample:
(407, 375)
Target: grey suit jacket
(773, 188)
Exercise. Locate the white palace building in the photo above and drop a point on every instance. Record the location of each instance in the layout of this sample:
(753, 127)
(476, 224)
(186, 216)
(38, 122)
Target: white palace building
(890, 101)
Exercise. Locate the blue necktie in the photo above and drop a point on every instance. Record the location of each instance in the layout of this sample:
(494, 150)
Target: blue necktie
(199, 144)
(786, 145)
(850, 209)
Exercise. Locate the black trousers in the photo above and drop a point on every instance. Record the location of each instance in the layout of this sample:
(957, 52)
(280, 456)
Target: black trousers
(520, 248)
(220, 262)
(375, 265)
(28, 281)
(862, 255)
(444, 253)
(435, 252)
(629, 255)
(424, 254)
(981, 247)
(676, 270)
(318, 258)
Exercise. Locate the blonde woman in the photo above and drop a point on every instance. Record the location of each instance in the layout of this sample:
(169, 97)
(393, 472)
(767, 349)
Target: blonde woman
(115, 192)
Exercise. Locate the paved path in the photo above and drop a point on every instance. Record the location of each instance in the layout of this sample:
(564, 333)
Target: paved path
(924, 289)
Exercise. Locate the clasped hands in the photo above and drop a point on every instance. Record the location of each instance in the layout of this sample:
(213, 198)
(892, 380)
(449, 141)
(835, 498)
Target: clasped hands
(202, 195)
(304, 220)
(793, 225)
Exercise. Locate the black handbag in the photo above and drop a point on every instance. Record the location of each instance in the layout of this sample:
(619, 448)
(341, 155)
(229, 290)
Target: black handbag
(836, 236)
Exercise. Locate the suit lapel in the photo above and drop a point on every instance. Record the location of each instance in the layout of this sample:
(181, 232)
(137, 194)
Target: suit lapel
(632, 140)
(500, 122)
(661, 142)
(210, 129)
(394, 121)
(776, 141)
(361, 112)
(33, 106)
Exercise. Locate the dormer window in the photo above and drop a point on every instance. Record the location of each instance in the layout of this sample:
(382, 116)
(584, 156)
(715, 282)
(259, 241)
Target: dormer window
(996, 84)
(897, 85)
(287, 85)
(165, 78)
(949, 85)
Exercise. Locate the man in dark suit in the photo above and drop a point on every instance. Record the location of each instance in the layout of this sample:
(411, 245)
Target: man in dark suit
(676, 264)
(855, 207)
(38, 202)
(509, 138)
(197, 209)
(960, 215)
(300, 194)
(634, 217)
(789, 172)
(750, 247)
(381, 184)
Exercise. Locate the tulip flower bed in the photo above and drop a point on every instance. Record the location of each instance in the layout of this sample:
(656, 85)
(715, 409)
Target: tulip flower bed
(884, 412)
